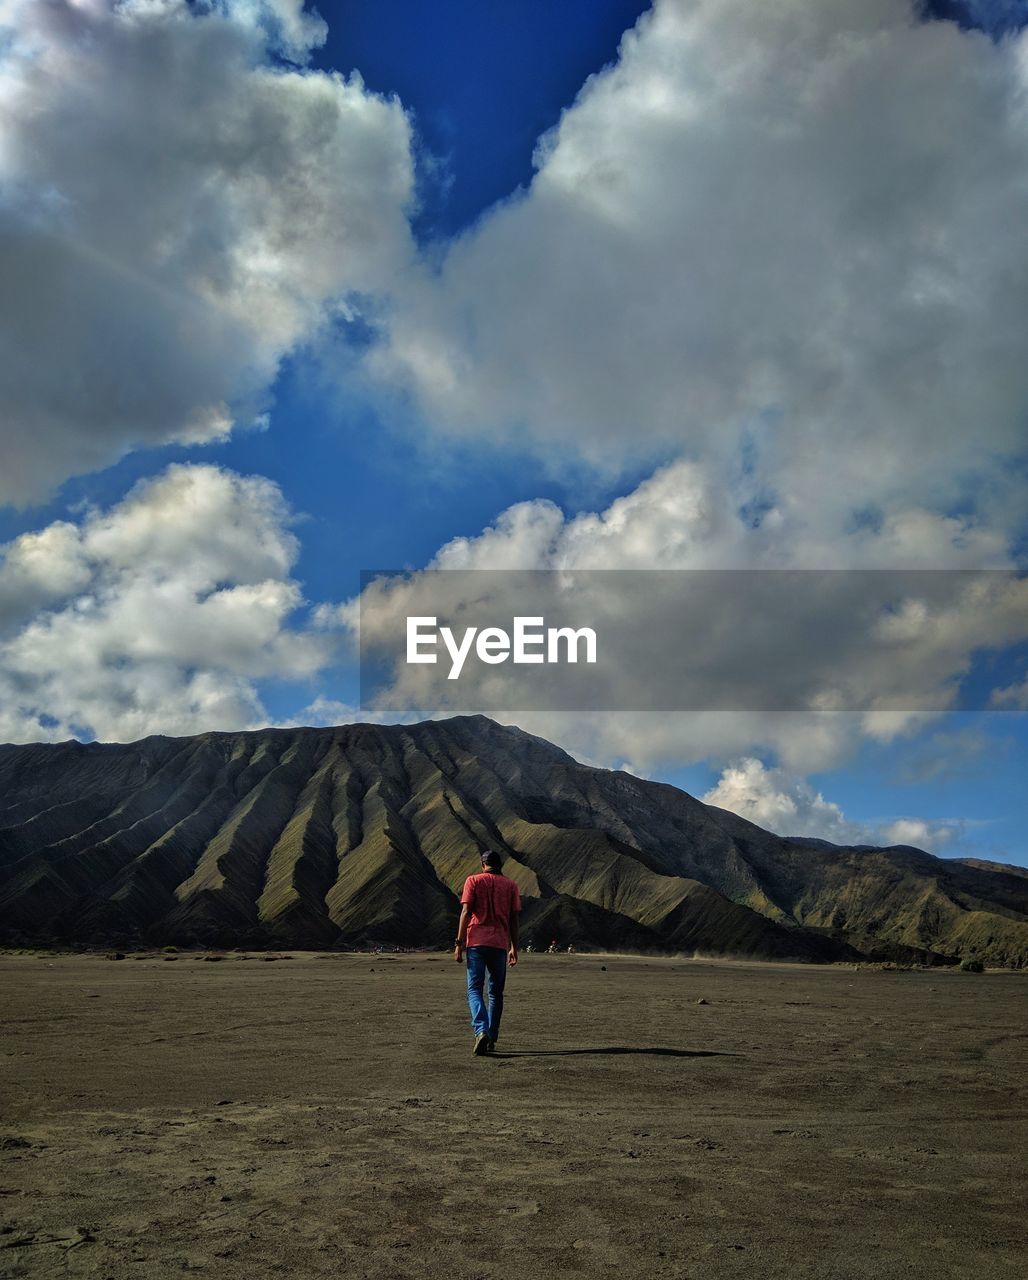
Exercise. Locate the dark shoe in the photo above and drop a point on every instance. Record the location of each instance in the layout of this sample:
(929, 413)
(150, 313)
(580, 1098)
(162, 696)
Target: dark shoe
(492, 1047)
(481, 1045)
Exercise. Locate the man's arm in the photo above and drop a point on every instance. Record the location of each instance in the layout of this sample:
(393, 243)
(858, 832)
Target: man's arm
(512, 925)
(462, 932)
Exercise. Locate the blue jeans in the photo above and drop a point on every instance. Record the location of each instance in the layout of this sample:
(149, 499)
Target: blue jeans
(486, 1021)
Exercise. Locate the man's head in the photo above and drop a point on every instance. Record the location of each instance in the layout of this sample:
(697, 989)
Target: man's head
(490, 860)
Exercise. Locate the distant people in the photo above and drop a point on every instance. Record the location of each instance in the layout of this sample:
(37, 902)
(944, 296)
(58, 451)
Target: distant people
(551, 950)
(571, 949)
(488, 931)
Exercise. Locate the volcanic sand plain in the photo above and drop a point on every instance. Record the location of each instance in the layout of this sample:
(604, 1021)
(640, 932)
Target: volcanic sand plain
(322, 1115)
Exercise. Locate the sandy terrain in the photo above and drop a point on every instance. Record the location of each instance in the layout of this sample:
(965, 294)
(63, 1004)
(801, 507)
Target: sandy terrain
(323, 1116)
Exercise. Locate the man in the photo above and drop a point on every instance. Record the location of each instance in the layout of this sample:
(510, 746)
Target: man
(488, 930)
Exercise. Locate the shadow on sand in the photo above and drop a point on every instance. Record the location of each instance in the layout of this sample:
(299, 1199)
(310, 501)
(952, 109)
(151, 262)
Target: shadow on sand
(611, 1049)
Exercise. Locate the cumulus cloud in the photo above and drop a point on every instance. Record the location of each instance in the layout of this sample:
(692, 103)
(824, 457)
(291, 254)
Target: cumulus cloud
(178, 210)
(781, 802)
(684, 516)
(323, 712)
(920, 833)
(155, 616)
(852, 655)
(781, 237)
(1013, 697)
(779, 242)
(788, 805)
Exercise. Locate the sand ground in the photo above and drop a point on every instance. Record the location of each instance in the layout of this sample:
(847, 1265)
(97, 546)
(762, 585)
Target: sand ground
(323, 1116)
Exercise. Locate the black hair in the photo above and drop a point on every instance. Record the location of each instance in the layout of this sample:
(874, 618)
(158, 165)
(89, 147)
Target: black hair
(492, 859)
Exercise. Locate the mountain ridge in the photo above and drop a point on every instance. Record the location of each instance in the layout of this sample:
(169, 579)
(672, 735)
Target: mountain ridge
(357, 833)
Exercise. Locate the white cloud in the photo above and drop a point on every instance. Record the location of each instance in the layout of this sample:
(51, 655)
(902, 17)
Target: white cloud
(783, 238)
(291, 27)
(648, 742)
(849, 662)
(780, 802)
(788, 805)
(325, 712)
(690, 515)
(921, 834)
(775, 239)
(1013, 697)
(176, 214)
(779, 240)
(155, 616)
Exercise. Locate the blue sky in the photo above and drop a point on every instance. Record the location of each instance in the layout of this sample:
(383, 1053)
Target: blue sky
(423, 242)
(484, 81)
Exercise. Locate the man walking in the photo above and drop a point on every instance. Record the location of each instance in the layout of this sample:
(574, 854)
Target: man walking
(488, 930)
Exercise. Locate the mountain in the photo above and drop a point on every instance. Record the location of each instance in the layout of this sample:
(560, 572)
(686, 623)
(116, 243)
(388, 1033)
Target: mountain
(333, 837)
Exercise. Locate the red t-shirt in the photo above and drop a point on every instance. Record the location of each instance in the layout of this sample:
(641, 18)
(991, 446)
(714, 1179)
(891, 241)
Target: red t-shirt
(493, 899)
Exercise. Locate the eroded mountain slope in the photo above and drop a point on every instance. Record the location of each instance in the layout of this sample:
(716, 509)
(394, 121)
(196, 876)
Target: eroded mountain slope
(321, 837)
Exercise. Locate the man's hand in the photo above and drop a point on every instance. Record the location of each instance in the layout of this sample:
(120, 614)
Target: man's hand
(460, 939)
(512, 956)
